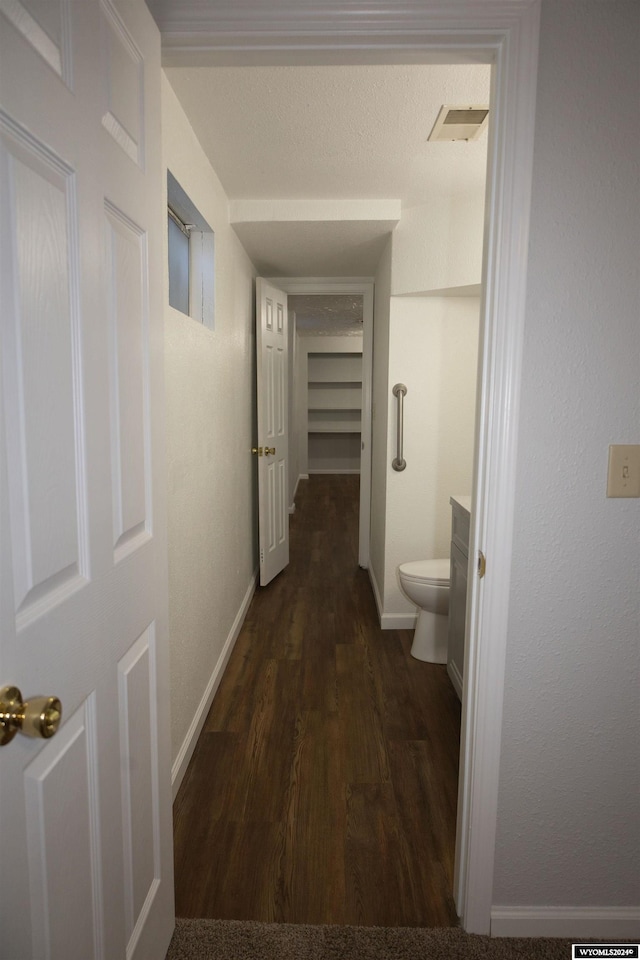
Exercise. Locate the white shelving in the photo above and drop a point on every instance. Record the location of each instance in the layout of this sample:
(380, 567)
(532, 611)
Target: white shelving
(334, 421)
(334, 396)
(334, 401)
(332, 366)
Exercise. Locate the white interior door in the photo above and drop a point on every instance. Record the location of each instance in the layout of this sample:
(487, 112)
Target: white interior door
(85, 816)
(273, 428)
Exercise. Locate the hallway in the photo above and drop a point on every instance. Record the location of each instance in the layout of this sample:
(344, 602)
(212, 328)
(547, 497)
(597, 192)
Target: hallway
(324, 784)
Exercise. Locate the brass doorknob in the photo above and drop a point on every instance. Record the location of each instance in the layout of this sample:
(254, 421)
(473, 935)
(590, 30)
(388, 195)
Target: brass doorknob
(269, 451)
(37, 717)
(257, 450)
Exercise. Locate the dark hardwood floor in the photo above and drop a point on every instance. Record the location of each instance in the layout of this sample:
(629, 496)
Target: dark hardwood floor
(323, 788)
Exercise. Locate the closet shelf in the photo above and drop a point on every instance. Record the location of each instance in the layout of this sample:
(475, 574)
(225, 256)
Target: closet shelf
(334, 428)
(334, 405)
(334, 381)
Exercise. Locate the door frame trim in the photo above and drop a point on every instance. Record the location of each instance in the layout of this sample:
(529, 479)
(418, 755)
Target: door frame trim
(504, 33)
(363, 286)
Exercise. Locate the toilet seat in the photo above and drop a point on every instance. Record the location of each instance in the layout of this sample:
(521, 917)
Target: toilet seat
(436, 572)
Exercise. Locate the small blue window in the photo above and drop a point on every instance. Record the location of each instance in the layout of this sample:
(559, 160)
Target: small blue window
(191, 256)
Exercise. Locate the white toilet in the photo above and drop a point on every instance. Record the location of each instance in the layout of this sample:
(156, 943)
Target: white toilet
(426, 583)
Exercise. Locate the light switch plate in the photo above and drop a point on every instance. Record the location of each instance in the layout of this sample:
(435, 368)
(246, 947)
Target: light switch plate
(624, 470)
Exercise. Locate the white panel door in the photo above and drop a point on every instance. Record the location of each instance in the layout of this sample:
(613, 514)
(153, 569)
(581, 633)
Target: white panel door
(85, 816)
(273, 428)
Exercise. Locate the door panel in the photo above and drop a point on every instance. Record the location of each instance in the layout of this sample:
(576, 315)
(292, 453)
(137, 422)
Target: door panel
(64, 856)
(85, 818)
(44, 24)
(123, 85)
(128, 355)
(136, 683)
(43, 392)
(273, 428)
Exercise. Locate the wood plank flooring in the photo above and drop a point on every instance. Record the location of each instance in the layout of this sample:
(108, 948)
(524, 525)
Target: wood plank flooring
(323, 788)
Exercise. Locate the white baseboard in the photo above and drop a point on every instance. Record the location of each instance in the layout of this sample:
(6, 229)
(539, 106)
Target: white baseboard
(185, 752)
(576, 923)
(398, 621)
(454, 676)
(376, 592)
(390, 621)
(292, 505)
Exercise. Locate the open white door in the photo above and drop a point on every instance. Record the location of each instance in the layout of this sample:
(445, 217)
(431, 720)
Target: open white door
(273, 428)
(85, 816)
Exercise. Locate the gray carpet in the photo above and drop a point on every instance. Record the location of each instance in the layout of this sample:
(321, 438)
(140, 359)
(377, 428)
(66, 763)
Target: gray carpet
(238, 940)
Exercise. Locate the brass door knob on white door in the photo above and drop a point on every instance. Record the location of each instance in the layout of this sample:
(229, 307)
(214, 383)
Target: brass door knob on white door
(36, 717)
(269, 451)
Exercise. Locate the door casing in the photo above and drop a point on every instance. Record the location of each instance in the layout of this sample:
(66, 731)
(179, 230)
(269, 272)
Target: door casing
(361, 286)
(505, 34)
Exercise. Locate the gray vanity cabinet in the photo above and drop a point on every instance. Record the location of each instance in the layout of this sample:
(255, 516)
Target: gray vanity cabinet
(460, 517)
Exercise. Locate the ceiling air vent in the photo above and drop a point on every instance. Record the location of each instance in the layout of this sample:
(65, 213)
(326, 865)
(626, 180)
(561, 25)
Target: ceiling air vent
(460, 123)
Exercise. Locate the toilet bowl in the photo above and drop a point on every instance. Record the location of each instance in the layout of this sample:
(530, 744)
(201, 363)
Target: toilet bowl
(426, 583)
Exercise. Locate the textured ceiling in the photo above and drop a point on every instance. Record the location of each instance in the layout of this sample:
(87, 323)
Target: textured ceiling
(331, 133)
(330, 315)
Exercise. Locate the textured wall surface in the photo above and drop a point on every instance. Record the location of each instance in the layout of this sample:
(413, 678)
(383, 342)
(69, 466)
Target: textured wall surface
(431, 344)
(438, 246)
(433, 351)
(210, 411)
(568, 825)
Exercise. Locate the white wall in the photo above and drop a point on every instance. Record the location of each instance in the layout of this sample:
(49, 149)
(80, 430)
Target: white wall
(568, 825)
(210, 404)
(430, 344)
(433, 350)
(438, 246)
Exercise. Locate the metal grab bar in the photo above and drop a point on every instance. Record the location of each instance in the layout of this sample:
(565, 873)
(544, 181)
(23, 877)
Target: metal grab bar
(399, 391)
